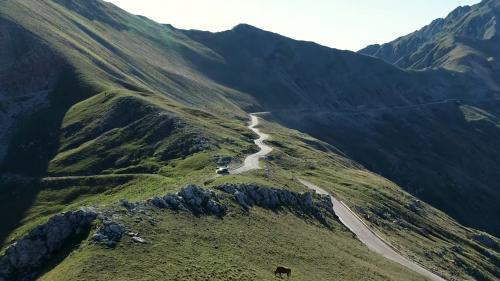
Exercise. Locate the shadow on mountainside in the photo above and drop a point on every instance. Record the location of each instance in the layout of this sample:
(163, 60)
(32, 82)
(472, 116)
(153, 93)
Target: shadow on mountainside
(445, 154)
(34, 144)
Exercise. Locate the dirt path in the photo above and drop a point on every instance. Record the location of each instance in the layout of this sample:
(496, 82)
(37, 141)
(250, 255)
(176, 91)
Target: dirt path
(252, 160)
(368, 237)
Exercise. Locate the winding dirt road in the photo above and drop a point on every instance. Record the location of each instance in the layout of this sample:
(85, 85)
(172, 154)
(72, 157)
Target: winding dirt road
(368, 237)
(346, 216)
(252, 160)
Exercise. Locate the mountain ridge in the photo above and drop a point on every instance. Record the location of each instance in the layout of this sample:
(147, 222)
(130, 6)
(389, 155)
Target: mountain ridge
(464, 41)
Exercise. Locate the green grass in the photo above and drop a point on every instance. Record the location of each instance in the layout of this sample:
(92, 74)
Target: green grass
(430, 237)
(238, 247)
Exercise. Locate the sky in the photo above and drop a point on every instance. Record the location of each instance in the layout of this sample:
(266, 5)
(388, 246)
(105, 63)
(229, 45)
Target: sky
(341, 24)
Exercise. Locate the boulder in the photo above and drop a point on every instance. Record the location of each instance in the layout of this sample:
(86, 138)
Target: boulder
(415, 206)
(214, 207)
(109, 233)
(201, 201)
(241, 198)
(306, 200)
(221, 160)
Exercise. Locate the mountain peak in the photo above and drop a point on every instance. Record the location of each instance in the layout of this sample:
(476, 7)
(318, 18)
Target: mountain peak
(245, 27)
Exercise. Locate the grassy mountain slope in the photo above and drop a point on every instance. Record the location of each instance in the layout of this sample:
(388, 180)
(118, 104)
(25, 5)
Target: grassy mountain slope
(135, 109)
(98, 114)
(427, 235)
(240, 247)
(294, 76)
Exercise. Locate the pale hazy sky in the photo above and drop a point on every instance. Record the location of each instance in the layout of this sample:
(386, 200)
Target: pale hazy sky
(342, 24)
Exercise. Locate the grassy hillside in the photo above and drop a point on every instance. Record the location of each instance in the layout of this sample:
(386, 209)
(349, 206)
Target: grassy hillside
(136, 109)
(401, 124)
(183, 244)
(239, 247)
(424, 233)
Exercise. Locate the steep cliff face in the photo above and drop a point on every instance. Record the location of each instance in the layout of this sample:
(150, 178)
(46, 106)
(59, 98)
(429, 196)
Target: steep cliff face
(29, 69)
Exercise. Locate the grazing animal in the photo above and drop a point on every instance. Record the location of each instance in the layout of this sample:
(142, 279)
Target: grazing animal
(283, 270)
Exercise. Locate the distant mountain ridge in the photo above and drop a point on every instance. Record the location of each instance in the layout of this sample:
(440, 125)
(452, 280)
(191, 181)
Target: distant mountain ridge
(305, 75)
(465, 41)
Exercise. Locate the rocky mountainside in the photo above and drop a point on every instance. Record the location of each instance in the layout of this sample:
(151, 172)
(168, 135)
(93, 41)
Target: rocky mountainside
(102, 106)
(465, 41)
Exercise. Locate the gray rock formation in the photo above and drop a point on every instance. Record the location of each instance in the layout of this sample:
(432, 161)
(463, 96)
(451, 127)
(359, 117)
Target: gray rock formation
(24, 259)
(247, 195)
(138, 239)
(125, 203)
(109, 233)
(193, 198)
(186, 145)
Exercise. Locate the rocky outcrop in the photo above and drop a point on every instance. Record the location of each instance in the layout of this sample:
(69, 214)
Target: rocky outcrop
(24, 259)
(247, 195)
(109, 233)
(191, 198)
(186, 145)
(200, 201)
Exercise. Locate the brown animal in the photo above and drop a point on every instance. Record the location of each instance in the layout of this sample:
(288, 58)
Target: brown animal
(283, 270)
